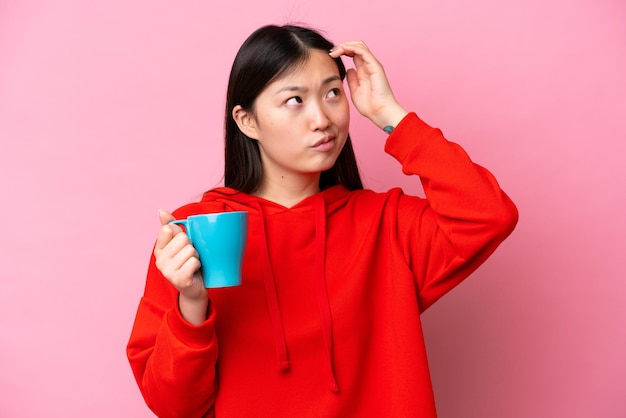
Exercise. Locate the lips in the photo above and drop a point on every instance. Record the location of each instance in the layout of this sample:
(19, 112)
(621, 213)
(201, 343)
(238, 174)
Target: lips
(324, 143)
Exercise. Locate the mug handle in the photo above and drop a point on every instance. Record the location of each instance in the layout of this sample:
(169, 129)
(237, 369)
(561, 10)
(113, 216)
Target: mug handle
(183, 222)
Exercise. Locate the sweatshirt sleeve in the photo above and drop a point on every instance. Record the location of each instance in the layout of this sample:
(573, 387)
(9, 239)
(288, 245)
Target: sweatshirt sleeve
(466, 215)
(172, 360)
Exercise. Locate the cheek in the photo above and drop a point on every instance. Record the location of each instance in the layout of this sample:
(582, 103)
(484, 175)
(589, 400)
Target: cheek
(343, 116)
(343, 123)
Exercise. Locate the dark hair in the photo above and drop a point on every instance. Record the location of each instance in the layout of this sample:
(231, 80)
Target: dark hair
(268, 53)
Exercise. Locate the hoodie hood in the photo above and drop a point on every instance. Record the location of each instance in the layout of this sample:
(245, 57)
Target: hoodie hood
(313, 213)
(233, 200)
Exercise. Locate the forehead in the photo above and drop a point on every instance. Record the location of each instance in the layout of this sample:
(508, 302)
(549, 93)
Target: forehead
(318, 67)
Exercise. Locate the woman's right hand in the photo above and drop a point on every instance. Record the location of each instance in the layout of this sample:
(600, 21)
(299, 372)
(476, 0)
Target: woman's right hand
(178, 261)
(369, 87)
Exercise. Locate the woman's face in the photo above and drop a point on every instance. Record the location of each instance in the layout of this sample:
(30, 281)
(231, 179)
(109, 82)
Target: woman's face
(301, 120)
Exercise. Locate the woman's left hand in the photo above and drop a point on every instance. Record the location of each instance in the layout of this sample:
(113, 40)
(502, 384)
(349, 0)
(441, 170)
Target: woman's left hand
(368, 84)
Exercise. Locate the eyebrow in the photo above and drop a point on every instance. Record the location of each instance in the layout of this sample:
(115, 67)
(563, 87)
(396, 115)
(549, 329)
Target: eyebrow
(327, 80)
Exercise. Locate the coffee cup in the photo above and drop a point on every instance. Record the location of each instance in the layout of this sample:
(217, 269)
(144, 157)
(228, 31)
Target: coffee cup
(220, 240)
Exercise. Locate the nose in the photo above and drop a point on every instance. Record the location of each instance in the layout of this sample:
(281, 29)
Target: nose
(319, 117)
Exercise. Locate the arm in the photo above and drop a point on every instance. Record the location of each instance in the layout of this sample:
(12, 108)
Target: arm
(467, 215)
(173, 359)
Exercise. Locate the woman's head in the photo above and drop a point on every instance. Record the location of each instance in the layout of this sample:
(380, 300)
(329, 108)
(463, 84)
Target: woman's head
(269, 54)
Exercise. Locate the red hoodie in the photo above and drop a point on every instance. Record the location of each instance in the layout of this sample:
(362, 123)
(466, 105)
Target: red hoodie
(327, 320)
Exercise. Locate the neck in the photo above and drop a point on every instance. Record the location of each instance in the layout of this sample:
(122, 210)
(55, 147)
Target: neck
(288, 191)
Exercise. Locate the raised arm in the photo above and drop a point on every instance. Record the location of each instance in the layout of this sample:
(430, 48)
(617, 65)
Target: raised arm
(467, 214)
(466, 217)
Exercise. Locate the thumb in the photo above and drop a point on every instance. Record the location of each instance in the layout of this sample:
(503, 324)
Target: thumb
(165, 217)
(353, 80)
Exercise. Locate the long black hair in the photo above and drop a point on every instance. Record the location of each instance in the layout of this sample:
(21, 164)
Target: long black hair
(268, 53)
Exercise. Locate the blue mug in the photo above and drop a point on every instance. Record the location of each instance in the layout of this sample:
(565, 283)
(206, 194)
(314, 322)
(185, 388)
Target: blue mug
(220, 240)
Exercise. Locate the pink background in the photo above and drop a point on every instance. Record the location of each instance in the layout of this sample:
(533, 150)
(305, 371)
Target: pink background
(111, 110)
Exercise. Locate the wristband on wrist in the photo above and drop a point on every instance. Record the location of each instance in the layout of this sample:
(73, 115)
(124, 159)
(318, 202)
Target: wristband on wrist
(388, 129)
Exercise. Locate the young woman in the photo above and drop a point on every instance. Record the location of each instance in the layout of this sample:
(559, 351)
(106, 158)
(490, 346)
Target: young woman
(327, 319)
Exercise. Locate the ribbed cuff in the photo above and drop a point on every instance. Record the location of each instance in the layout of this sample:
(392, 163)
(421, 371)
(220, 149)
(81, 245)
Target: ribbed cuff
(407, 138)
(196, 336)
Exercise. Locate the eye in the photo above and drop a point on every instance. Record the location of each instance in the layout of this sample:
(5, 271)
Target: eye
(292, 101)
(333, 93)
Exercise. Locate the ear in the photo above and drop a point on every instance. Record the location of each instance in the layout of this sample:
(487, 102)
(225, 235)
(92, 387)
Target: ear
(245, 121)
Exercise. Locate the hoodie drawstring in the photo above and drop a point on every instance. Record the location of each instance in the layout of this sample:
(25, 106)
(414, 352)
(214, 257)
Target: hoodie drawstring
(320, 283)
(271, 293)
(272, 301)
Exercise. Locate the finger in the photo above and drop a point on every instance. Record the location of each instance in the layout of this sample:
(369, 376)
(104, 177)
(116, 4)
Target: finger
(166, 234)
(349, 44)
(353, 80)
(350, 49)
(190, 268)
(180, 270)
(165, 217)
(168, 245)
(364, 61)
(180, 255)
(338, 51)
(174, 261)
